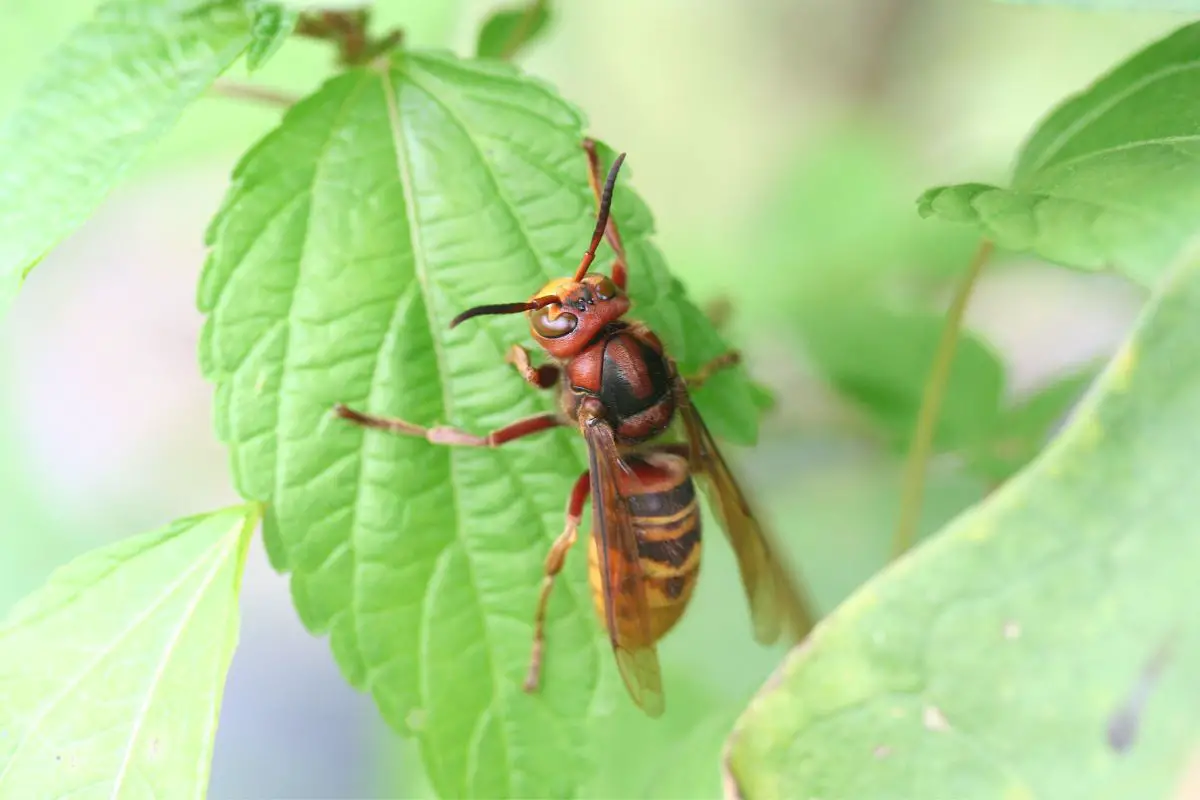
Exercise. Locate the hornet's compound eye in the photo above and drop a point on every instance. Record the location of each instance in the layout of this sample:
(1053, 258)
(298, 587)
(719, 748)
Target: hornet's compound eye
(604, 288)
(552, 325)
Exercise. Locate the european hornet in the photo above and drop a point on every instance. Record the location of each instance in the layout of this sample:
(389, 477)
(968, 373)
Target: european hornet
(622, 391)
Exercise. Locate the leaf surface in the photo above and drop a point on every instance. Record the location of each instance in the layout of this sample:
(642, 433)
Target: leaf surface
(106, 95)
(383, 205)
(509, 31)
(1023, 430)
(998, 659)
(879, 359)
(271, 26)
(1110, 179)
(111, 675)
(1115, 5)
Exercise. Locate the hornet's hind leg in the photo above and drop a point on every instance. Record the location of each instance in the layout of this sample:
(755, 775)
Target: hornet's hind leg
(554, 564)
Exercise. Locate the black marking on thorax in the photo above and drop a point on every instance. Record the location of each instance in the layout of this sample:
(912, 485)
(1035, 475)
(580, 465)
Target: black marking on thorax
(634, 376)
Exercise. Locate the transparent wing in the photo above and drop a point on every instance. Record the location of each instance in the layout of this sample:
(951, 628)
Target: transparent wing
(626, 611)
(776, 600)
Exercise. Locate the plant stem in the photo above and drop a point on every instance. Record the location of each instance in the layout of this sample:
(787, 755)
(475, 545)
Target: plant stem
(913, 486)
(249, 91)
(348, 32)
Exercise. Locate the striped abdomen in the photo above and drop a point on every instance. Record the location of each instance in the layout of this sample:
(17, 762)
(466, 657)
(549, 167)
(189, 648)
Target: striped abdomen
(666, 518)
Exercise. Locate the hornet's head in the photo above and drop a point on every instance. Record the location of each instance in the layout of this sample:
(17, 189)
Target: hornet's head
(567, 313)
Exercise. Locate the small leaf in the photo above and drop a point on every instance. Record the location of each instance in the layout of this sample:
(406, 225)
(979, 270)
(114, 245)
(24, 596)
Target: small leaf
(384, 204)
(1115, 5)
(111, 675)
(109, 92)
(880, 359)
(509, 31)
(1110, 179)
(272, 25)
(808, 246)
(1022, 431)
(326, 5)
(997, 659)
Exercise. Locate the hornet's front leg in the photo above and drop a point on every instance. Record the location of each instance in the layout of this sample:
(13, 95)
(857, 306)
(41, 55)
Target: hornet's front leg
(453, 436)
(543, 377)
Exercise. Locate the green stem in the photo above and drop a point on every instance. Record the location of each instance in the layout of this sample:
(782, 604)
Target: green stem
(913, 489)
(253, 93)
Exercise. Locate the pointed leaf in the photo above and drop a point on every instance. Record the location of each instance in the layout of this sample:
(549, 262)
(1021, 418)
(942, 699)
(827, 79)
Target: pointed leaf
(1044, 644)
(509, 31)
(382, 206)
(109, 92)
(111, 675)
(1116, 5)
(879, 359)
(271, 27)
(1022, 431)
(1110, 179)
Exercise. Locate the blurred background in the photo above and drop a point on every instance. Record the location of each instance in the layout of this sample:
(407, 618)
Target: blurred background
(781, 146)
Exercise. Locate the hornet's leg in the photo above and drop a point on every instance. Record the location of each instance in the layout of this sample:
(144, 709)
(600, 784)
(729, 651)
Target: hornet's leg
(554, 564)
(724, 361)
(453, 436)
(596, 180)
(543, 377)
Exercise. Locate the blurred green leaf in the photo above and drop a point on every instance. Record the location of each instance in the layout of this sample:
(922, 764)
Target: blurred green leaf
(272, 25)
(111, 675)
(509, 31)
(1023, 430)
(109, 92)
(637, 753)
(1110, 179)
(1001, 658)
(838, 227)
(1115, 5)
(690, 769)
(879, 360)
(326, 5)
(384, 204)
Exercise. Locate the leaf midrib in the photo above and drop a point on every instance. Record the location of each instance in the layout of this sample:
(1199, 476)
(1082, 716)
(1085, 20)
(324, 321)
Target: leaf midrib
(420, 270)
(106, 651)
(1102, 108)
(219, 563)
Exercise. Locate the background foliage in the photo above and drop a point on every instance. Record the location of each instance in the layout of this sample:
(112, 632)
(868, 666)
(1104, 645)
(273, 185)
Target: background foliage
(793, 205)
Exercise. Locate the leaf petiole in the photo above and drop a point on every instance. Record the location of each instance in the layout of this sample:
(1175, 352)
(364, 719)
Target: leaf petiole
(913, 481)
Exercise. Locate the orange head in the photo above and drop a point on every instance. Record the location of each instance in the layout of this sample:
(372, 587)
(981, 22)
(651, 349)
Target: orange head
(567, 313)
(578, 312)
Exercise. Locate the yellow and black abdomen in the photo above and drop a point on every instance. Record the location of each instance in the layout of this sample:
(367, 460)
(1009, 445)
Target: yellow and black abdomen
(666, 518)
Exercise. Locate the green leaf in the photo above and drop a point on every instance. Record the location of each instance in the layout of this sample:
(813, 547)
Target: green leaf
(1022, 431)
(111, 675)
(1110, 179)
(1116, 5)
(383, 205)
(327, 5)
(1001, 658)
(509, 31)
(109, 92)
(808, 243)
(272, 25)
(879, 360)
